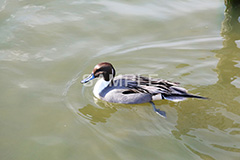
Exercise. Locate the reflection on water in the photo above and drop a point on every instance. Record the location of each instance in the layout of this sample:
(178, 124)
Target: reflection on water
(100, 114)
(231, 23)
(223, 107)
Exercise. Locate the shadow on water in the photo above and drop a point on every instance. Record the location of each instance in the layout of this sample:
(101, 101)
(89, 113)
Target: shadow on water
(217, 114)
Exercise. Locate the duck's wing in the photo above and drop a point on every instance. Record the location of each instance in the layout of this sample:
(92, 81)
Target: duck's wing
(143, 84)
(130, 84)
(158, 88)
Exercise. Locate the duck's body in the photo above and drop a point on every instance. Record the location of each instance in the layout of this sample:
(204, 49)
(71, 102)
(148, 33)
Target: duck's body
(121, 90)
(133, 89)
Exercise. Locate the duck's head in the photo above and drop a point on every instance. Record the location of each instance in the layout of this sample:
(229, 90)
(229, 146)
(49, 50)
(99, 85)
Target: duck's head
(104, 70)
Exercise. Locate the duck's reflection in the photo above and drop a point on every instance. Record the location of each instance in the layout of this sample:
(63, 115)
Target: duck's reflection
(101, 113)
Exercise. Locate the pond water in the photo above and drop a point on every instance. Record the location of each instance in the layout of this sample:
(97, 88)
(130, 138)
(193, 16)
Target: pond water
(47, 46)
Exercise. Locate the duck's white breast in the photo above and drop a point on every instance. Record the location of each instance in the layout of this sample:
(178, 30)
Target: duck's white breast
(99, 86)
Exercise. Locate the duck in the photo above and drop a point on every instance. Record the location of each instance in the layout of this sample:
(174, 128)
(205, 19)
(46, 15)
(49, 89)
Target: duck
(134, 89)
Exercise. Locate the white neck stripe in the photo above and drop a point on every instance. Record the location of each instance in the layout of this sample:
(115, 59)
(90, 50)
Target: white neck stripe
(99, 86)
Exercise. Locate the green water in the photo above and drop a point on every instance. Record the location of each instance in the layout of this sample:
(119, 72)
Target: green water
(47, 46)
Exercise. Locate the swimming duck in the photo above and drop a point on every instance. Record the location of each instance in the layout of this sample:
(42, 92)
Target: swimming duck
(134, 89)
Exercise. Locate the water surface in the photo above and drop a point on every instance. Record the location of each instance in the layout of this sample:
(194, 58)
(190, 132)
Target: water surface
(47, 46)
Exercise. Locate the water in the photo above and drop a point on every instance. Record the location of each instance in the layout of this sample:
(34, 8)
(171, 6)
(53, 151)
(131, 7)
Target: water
(47, 46)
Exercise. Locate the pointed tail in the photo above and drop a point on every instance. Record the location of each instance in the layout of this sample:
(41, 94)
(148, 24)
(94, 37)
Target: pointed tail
(181, 97)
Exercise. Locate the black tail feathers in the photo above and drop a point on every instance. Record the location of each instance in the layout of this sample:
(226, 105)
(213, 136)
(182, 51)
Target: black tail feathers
(179, 97)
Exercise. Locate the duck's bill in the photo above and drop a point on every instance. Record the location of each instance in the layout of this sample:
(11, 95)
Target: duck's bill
(89, 78)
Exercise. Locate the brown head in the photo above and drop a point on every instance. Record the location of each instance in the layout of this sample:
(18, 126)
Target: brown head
(104, 69)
